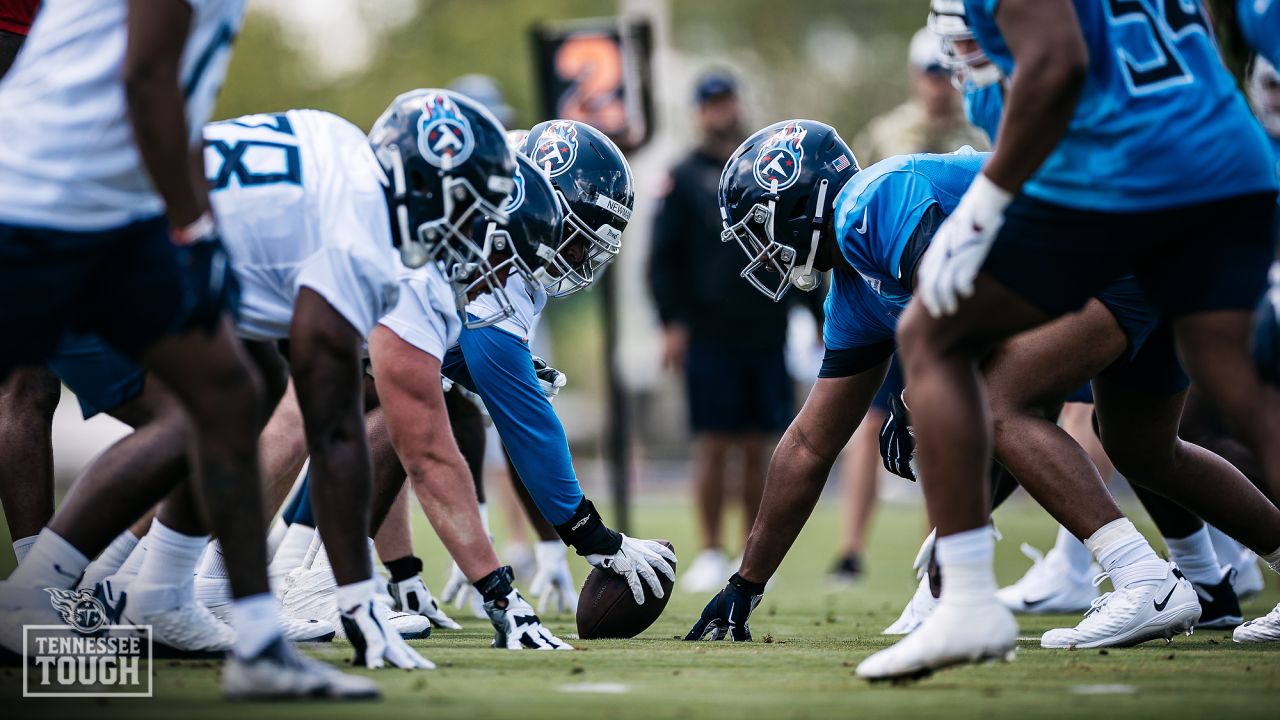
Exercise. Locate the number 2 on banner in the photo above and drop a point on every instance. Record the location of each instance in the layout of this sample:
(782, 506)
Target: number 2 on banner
(592, 65)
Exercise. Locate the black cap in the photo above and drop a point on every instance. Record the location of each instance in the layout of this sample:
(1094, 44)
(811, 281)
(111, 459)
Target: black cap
(713, 85)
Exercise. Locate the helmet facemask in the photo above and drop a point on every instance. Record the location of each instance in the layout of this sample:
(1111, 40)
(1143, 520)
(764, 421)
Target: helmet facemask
(973, 67)
(766, 256)
(561, 275)
(487, 278)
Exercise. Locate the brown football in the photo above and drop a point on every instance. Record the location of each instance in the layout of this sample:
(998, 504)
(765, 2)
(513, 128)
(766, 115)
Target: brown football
(606, 608)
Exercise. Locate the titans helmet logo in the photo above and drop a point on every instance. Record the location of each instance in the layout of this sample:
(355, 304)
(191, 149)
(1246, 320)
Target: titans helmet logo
(79, 609)
(444, 133)
(516, 198)
(557, 148)
(780, 157)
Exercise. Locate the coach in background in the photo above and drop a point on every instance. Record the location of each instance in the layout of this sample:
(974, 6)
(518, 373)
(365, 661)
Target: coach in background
(724, 336)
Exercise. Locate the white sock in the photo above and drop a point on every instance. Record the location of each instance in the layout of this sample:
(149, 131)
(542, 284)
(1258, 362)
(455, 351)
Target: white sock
(1229, 551)
(1075, 557)
(213, 564)
(275, 536)
(967, 562)
(110, 560)
(129, 569)
(22, 546)
(354, 595)
(1273, 559)
(293, 548)
(256, 620)
(171, 557)
(1195, 557)
(52, 562)
(1125, 555)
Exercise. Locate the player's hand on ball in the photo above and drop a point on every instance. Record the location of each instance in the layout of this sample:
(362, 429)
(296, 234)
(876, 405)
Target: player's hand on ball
(728, 612)
(376, 643)
(961, 245)
(1266, 330)
(413, 596)
(897, 440)
(553, 584)
(516, 626)
(636, 561)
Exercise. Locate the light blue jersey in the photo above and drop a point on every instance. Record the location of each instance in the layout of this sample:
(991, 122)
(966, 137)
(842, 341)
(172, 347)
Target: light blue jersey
(855, 317)
(879, 209)
(983, 107)
(1260, 23)
(1159, 122)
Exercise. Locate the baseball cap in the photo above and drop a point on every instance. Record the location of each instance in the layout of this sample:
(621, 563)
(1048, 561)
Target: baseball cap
(713, 85)
(925, 52)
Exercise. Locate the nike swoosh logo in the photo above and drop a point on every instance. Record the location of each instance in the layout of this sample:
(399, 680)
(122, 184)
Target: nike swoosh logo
(862, 229)
(1033, 603)
(1161, 605)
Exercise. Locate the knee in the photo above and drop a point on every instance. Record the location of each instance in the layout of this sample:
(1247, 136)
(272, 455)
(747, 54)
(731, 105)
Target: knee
(31, 392)
(229, 401)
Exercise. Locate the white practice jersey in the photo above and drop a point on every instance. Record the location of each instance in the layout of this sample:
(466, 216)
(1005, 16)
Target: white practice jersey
(526, 300)
(427, 315)
(67, 157)
(300, 202)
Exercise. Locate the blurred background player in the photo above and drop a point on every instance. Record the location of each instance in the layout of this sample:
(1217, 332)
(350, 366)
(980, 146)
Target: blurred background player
(727, 340)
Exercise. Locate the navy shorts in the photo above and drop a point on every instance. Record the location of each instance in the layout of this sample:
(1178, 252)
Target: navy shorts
(123, 284)
(892, 385)
(101, 377)
(735, 390)
(1190, 259)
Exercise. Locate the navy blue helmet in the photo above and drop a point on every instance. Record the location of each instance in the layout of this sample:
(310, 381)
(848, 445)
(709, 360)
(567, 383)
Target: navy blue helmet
(448, 164)
(593, 182)
(777, 193)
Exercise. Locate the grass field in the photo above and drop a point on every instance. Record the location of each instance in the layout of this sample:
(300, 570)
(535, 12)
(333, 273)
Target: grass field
(808, 639)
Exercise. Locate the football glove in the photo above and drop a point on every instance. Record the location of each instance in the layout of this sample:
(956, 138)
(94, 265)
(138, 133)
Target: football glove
(413, 596)
(553, 584)
(549, 378)
(1266, 330)
(516, 626)
(950, 265)
(459, 591)
(637, 560)
(898, 440)
(210, 287)
(729, 611)
(368, 627)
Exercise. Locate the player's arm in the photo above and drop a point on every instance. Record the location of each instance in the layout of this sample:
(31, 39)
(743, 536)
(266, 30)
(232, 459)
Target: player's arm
(1049, 52)
(157, 34)
(797, 472)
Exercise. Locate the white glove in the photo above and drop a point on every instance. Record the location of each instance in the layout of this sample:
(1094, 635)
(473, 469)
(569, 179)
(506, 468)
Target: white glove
(368, 627)
(553, 583)
(637, 559)
(549, 378)
(459, 591)
(960, 246)
(413, 596)
(516, 626)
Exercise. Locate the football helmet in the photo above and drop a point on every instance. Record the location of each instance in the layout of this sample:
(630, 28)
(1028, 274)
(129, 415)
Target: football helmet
(777, 194)
(449, 169)
(1264, 94)
(526, 244)
(947, 19)
(593, 183)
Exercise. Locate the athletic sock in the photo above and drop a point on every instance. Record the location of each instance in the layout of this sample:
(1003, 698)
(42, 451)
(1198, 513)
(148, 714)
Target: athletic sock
(171, 557)
(256, 620)
(275, 536)
(967, 562)
(111, 559)
(22, 546)
(213, 564)
(1125, 555)
(293, 549)
(354, 595)
(1075, 557)
(404, 568)
(1195, 557)
(51, 562)
(130, 567)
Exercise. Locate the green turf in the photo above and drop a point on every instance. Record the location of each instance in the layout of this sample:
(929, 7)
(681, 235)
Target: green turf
(807, 641)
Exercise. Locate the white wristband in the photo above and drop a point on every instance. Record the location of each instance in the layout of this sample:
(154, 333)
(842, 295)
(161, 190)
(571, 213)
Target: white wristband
(202, 228)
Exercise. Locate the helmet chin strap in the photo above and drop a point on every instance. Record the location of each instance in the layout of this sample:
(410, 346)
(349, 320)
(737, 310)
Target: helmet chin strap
(804, 278)
(412, 254)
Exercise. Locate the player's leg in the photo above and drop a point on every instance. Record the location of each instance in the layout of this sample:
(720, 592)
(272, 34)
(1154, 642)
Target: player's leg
(27, 402)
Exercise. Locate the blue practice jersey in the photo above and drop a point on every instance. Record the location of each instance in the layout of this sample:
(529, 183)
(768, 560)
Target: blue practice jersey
(1160, 122)
(878, 210)
(856, 317)
(983, 107)
(1260, 22)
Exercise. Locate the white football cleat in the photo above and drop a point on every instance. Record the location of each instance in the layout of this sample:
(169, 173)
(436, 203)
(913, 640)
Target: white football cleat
(1047, 588)
(21, 605)
(1133, 615)
(709, 572)
(281, 673)
(181, 626)
(917, 610)
(413, 597)
(313, 594)
(1265, 629)
(216, 595)
(954, 634)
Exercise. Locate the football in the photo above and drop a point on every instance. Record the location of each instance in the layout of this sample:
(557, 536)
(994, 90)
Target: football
(606, 608)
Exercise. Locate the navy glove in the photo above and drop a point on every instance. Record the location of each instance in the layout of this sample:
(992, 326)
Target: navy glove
(729, 611)
(897, 440)
(1266, 330)
(210, 286)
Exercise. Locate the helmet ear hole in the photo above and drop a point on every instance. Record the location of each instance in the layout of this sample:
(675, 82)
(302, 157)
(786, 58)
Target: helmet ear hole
(419, 183)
